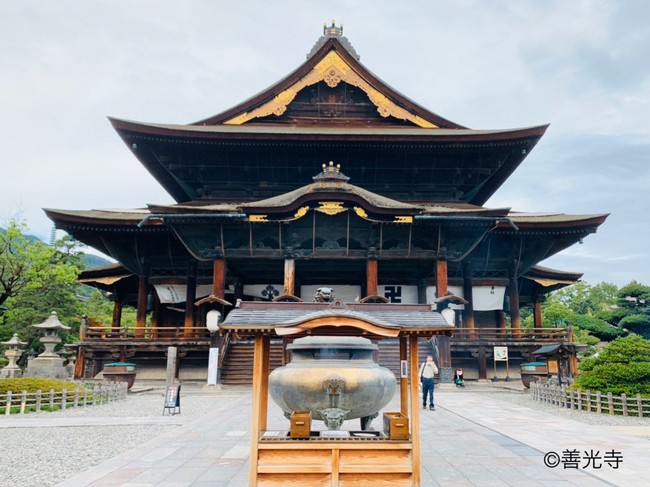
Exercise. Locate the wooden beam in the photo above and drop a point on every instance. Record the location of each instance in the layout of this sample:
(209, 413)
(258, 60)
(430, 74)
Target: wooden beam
(219, 278)
(403, 381)
(415, 408)
(441, 278)
(371, 277)
(289, 276)
(141, 313)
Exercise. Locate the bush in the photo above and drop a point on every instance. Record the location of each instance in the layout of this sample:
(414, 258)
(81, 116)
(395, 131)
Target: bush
(623, 367)
(33, 384)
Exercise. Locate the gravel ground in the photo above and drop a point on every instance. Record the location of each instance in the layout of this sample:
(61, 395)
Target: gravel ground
(45, 456)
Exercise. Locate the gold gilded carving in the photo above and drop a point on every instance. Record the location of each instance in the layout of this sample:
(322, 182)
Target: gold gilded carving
(258, 218)
(330, 207)
(332, 69)
(301, 212)
(403, 219)
(360, 212)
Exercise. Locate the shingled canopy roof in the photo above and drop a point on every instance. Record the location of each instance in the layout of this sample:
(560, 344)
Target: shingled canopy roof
(375, 320)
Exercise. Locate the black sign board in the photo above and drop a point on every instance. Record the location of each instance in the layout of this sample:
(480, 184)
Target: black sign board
(172, 399)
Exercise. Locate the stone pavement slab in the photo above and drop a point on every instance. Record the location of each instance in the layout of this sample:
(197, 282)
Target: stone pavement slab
(470, 440)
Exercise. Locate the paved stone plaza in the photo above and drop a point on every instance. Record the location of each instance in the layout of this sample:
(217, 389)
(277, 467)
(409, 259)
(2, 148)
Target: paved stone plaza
(471, 439)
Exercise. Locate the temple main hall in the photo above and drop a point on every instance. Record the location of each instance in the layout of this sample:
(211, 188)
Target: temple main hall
(328, 186)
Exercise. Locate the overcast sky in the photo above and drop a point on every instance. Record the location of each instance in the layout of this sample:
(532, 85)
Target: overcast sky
(582, 66)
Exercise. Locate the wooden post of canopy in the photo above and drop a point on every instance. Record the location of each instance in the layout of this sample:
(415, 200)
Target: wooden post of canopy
(141, 313)
(371, 277)
(415, 408)
(403, 381)
(260, 401)
(468, 295)
(188, 322)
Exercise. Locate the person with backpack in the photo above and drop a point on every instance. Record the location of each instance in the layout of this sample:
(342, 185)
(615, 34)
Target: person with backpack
(427, 372)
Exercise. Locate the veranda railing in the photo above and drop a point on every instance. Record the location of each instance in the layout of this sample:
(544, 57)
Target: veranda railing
(596, 402)
(22, 402)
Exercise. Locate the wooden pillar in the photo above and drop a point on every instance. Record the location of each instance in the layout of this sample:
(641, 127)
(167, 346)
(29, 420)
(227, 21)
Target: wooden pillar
(371, 277)
(415, 407)
(482, 363)
(469, 322)
(219, 278)
(141, 313)
(260, 401)
(403, 381)
(441, 278)
(155, 317)
(79, 364)
(117, 314)
(190, 297)
(515, 317)
(290, 276)
(422, 291)
(537, 313)
(501, 322)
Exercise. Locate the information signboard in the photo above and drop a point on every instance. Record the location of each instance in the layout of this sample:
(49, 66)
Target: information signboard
(172, 399)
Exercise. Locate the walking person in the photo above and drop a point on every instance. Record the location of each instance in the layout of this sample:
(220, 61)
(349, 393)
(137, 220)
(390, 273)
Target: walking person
(427, 372)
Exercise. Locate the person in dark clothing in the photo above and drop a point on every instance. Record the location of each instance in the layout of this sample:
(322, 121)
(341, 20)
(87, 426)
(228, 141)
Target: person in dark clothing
(427, 372)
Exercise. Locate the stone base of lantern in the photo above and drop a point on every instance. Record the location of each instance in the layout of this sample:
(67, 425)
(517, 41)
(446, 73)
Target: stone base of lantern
(48, 367)
(11, 373)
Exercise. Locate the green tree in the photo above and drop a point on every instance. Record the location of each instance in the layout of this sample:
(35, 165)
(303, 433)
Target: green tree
(621, 367)
(584, 299)
(36, 279)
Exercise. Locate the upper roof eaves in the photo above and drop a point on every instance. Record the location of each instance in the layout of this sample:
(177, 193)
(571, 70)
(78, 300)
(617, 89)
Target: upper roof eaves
(336, 45)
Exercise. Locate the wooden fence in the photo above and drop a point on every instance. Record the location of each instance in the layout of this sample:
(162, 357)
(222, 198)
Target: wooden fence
(596, 402)
(90, 394)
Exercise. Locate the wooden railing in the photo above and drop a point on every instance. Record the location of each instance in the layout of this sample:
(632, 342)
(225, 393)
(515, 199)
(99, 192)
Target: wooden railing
(545, 335)
(14, 402)
(104, 333)
(596, 402)
(171, 334)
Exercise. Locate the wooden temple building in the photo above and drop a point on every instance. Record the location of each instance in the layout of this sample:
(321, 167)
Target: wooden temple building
(328, 178)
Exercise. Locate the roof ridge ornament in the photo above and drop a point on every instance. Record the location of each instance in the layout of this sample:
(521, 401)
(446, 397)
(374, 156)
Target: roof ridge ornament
(330, 31)
(331, 172)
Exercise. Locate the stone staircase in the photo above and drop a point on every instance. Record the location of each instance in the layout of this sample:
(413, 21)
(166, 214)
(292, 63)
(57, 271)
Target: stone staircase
(238, 364)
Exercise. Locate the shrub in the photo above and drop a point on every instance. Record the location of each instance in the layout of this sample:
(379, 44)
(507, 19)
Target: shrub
(623, 367)
(33, 384)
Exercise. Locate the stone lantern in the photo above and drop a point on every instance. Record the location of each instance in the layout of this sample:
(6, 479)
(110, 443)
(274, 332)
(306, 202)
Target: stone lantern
(13, 353)
(49, 363)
